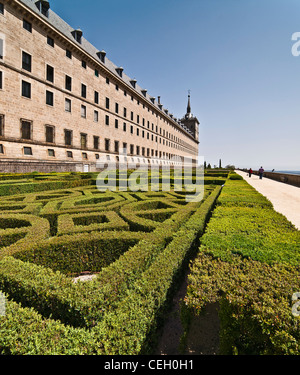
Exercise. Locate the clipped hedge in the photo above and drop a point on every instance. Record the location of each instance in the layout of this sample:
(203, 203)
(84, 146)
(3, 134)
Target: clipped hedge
(248, 263)
(25, 332)
(85, 303)
(127, 329)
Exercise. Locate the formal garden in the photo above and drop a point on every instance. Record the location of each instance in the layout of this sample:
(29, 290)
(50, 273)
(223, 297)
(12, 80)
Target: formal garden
(243, 256)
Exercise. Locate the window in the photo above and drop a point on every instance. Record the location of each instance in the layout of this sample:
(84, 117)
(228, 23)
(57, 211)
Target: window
(137, 131)
(27, 150)
(107, 103)
(83, 64)
(117, 108)
(138, 119)
(49, 134)
(84, 155)
(83, 90)
(68, 83)
(1, 149)
(68, 105)
(1, 8)
(106, 120)
(97, 156)
(83, 140)
(26, 89)
(49, 98)
(117, 87)
(1, 80)
(1, 125)
(51, 153)
(137, 150)
(69, 154)
(1, 49)
(124, 126)
(96, 142)
(50, 73)
(107, 80)
(27, 26)
(131, 149)
(77, 35)
(43, 7)
(68, 53)
(116, 123)
(83, 111)
(125, 147)
(96, 97)
(125, 112)
(26, 129)
(116, 146)
(68, 137)
(96, 72)
(26, 61)
(131, 129)
(131, 116)
(50, 41)
(107, 144)
(96, 116)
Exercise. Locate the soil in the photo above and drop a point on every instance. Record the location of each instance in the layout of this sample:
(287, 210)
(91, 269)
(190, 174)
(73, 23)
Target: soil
(203, 335)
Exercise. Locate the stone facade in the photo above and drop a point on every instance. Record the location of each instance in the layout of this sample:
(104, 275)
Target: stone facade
(61, 102)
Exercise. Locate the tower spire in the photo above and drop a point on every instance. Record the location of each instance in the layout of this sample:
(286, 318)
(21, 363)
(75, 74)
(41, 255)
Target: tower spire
(189, 105)
(188, 111)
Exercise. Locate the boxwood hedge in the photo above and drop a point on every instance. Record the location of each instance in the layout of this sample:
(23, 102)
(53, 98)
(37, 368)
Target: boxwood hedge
(248, 263)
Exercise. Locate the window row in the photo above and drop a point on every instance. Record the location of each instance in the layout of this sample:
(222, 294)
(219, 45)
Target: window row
(27, 151)
(50, 41)
(26, 92)
(26, 133)
(26, 130)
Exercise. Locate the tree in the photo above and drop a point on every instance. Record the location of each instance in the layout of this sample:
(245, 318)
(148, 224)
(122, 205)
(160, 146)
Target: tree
(220, 163)
(229, 166)
(205, 165)
(209, 166)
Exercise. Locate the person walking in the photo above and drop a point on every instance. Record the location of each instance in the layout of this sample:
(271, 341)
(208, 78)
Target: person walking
(250, 172)
(261, 172)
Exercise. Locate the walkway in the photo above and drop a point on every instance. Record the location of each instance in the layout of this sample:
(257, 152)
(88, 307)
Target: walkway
(285, 198)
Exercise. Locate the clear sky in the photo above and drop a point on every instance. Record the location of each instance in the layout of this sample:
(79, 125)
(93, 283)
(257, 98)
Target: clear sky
(234, 55)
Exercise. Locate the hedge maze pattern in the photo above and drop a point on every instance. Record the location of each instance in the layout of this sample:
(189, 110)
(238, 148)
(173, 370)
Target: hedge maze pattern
(135, 242)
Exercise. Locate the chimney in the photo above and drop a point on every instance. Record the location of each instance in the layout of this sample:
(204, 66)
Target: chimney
(158, 99)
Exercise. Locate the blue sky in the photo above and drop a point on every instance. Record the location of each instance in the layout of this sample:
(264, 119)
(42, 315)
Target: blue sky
(234, 55)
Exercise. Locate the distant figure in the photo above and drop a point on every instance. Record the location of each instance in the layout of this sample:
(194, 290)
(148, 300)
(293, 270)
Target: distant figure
(250, 172)
(273, 170)
(261, 172)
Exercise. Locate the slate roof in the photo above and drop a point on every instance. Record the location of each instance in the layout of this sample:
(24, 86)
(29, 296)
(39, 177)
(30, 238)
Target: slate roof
(64, 28)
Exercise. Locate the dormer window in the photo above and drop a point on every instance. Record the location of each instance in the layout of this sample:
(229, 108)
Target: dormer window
(120, 71)
(133, 82)
(43, 6)
(101, 55)
(152, 99)
(144, 92)
(77, 34)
